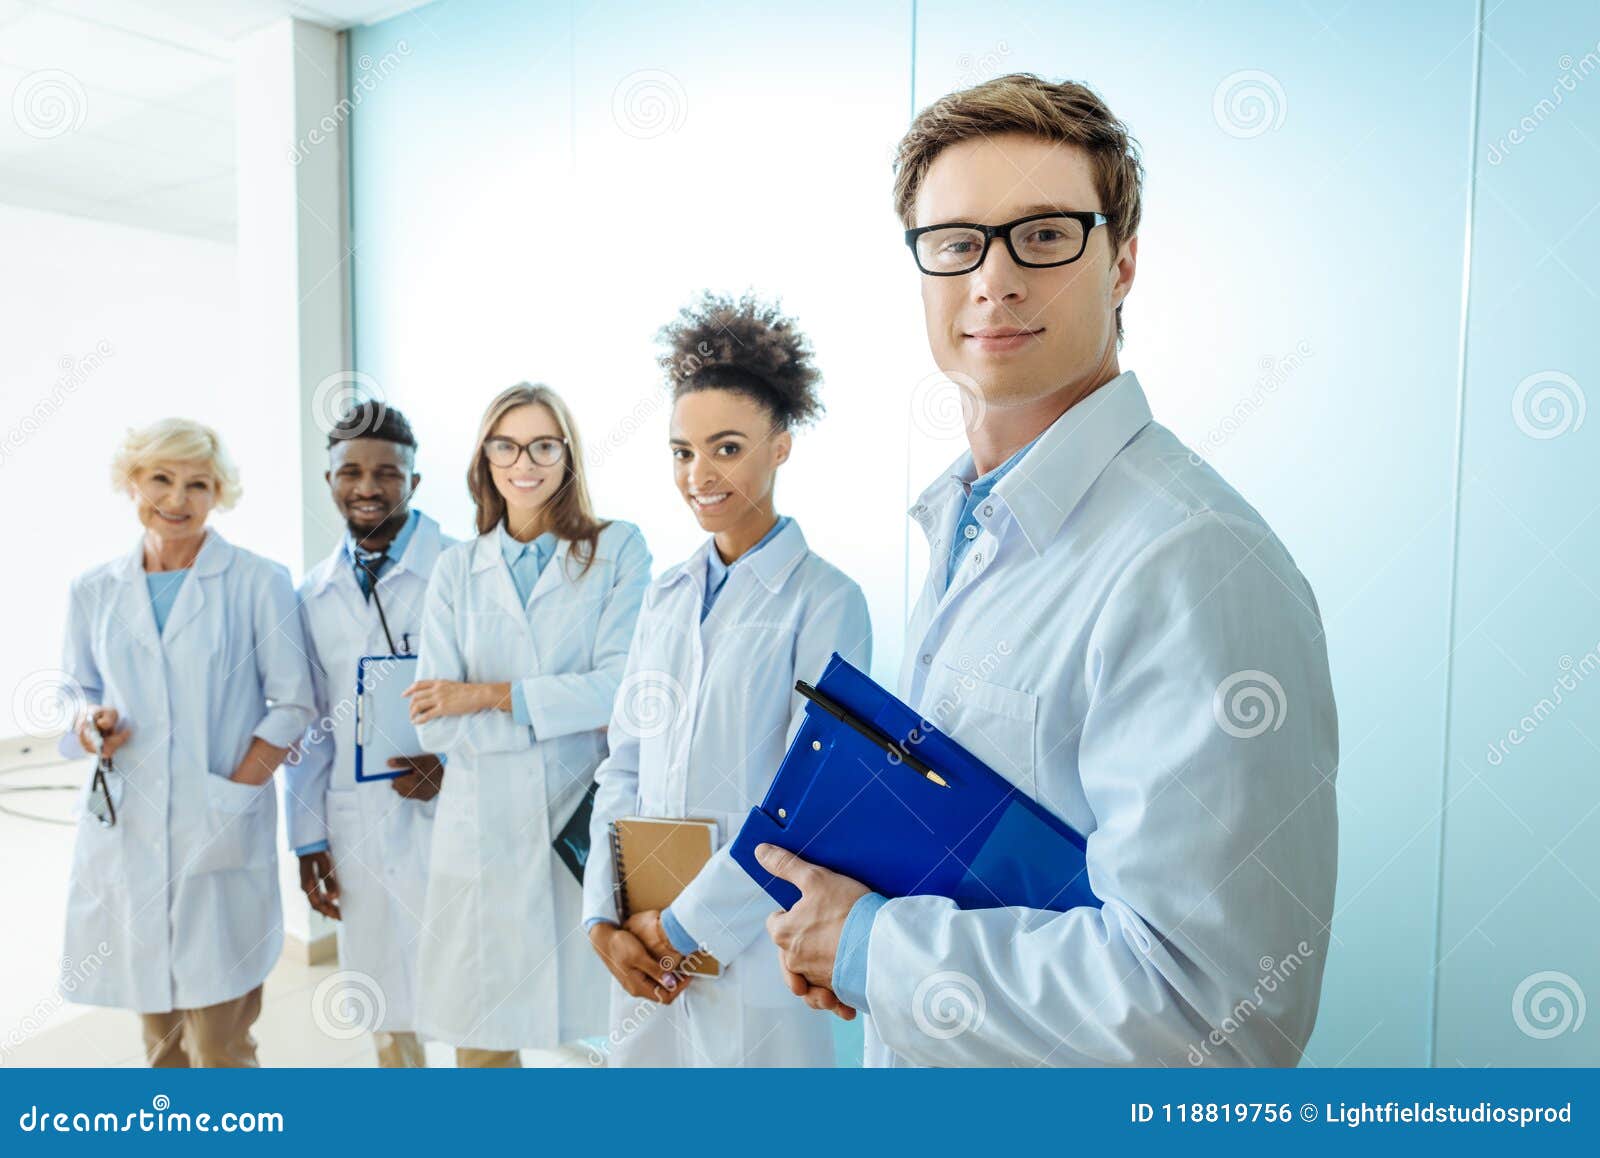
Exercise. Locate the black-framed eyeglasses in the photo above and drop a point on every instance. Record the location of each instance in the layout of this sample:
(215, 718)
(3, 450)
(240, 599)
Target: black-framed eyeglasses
(1037, 241)
(505, 452)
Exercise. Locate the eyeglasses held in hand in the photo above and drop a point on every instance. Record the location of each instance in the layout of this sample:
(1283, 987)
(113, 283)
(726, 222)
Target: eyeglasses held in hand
(100, 804)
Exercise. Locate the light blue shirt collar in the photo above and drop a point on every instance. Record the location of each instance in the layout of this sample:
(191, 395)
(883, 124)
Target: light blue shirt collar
(1066, 459)
(526, 560)
(977, 490)
(717, 570)
(981, 486)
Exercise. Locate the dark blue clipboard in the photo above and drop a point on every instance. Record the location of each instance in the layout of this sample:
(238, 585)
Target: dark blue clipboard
(854, 794)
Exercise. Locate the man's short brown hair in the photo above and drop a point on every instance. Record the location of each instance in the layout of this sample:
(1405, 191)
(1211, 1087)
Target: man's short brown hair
(1021, 102)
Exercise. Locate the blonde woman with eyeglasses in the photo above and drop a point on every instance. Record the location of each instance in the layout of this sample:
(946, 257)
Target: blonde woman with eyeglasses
(524, 639)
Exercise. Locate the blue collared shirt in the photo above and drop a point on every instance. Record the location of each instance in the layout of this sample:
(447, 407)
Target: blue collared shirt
(978, 490)
(163, 587)
(717, 570)
(526, 562)
(396, 549)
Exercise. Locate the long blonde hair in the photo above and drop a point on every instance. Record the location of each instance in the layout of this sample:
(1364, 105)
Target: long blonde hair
(568, 513)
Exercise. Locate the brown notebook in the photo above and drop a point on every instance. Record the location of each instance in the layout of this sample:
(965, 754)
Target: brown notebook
(654, 859)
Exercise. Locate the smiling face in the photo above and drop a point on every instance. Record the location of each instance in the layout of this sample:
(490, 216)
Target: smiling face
(1021, 334)
(174, 499)
(725, 457)
(525, 485)
(371, 481)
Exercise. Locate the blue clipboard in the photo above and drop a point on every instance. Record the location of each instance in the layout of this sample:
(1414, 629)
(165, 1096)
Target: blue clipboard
(870, 789)
(383, 715)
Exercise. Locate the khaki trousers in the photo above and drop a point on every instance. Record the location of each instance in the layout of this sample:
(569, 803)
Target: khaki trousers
(399, 1051)
(214, 1037)
(487, 1059)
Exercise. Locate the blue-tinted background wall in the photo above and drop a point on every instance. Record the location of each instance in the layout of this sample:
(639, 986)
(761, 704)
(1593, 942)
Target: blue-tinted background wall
(1366, 289)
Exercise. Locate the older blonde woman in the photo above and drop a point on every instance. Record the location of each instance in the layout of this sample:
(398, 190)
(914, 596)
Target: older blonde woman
(191, 661)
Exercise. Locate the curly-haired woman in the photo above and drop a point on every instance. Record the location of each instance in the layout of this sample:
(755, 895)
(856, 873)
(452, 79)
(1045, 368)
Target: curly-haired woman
(722, 637)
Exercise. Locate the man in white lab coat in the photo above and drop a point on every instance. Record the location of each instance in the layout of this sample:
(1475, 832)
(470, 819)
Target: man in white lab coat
(363, 846)
(1106, 622)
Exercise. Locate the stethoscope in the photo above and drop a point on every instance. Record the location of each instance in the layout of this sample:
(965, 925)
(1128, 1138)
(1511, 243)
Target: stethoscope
(368, 565)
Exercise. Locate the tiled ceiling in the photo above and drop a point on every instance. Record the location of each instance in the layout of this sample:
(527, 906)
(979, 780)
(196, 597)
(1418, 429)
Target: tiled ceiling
(123, 110)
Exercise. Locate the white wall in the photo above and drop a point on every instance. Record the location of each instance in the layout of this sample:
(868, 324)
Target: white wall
(105, 327)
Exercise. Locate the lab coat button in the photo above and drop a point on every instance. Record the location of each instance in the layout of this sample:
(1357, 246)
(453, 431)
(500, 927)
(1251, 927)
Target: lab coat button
(971, 532)
(988, 509)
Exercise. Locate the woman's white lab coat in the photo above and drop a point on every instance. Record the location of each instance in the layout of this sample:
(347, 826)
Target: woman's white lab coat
(183, 890)
(379, 840)
(504, 960)
(702, 720)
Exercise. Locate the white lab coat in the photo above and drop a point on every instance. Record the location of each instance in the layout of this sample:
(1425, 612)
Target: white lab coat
(183, 890)
(378, 839)
(504, 961)
(1129, 643)
(702, 721)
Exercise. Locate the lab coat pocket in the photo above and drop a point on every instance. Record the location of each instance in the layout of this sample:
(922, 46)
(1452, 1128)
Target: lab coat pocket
(98, 851)
(241, 828)
(996, 724)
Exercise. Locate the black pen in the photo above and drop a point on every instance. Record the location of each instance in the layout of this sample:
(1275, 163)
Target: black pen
(894, 749)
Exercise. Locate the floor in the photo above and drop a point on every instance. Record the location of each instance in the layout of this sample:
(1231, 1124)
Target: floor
(37, 794)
